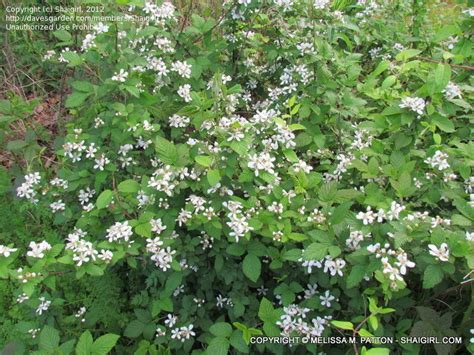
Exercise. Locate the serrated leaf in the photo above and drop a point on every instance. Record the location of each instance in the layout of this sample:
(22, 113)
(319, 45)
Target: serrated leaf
(291, 155)
(315, 251)
(49, 339)
(104, 344)
(83, 86)
(84, 345)
(213, 177)
(104, 199)
(342, 324)
(218, 346)
(62, 35)
(443, 123)
(134, 329)
(203, 160)
(221, 329)
(266, 311)
(128, 186)
(432, 276)
(166, 150)
(76, 99)
(407, 54)
(356, 276)
(252, 267)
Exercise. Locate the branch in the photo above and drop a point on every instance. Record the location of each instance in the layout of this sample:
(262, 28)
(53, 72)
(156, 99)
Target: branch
(467, 67)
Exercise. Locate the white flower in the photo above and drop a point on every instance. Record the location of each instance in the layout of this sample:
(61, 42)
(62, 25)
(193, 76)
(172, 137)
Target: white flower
(101, 28)
(43, 306)
(157, 226)
(302, 166)
(183, 333)
(469, 237)
(33, 332)
(38, 249)
(321, 4)
(88, 42)
(101, 162)
(182, 68)
(452, 91)
(326, 299)
(178, 121)
(22, 298)
(367, 217)
(119, 231)
(6, 251)
(221, 301)
(263, 161)
(49, 54)
(470, 12)
(403, 263)
(58, 206)
(416, 104)
(171, 320)
(310, 291)
(438, 160)
(121, 76)
(105, 255)
(441, 253)
(185, 92)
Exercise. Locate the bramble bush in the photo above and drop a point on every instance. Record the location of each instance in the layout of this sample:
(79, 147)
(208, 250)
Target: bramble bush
(296, 168)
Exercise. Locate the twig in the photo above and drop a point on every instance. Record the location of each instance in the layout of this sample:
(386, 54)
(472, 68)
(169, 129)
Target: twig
(452, 65)
(224, 15)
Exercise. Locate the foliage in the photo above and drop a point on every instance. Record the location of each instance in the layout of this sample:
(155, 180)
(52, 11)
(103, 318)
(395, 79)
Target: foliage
(296, 168)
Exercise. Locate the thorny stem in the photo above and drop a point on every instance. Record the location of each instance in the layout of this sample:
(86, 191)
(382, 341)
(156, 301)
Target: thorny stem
(467, 67)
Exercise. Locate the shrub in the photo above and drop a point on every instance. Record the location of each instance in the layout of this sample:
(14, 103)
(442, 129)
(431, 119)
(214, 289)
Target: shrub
(292, 168)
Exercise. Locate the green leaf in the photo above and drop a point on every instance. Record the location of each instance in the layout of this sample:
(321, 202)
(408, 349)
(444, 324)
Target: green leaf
(291, 155)
(384, 65)
(328, 192)
(16, 145)
(407, 54)
(84, 345)
(432, 276)
(356, 276)
(266, 311)
(213, 177)
(218, 346)
(104, 199)
(104, 344)
(365, 333)
(203, 160)
(252, 267)
(340, 213)
(342, 324)
(128, 186)
(83, 86)
(442, 76)
(134, 329)
(443, 123)
(76, 99)
(166, 150)
(94, 270)
(240, 147)
(5, 182)
(49, 339)
(374, 322)
(376, 351)
(315, 251)
(73, 58)
(62, 35)
(446, 31)
(221, 329)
